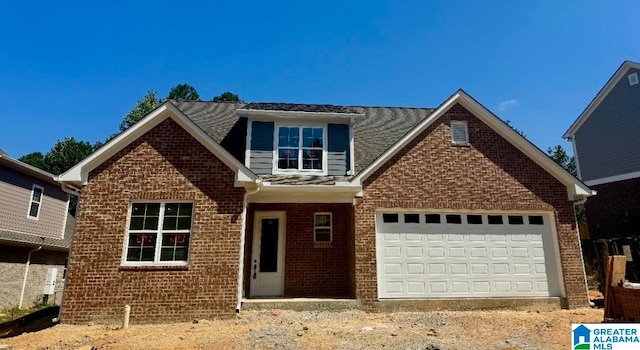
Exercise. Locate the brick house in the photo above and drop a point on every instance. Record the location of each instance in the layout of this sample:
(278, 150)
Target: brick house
(35, 235)
(202, 207)
(607, 152)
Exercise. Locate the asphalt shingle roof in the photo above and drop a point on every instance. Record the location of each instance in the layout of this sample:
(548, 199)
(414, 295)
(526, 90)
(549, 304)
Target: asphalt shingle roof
(374, 133)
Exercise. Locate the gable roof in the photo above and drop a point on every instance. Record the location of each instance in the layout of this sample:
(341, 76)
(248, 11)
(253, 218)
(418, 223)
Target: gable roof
(25, 168)
(575, 188)
(374, 132)
(79, 173)
(611, 83)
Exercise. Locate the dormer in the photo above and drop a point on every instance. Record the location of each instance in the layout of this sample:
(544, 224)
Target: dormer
(287, 139)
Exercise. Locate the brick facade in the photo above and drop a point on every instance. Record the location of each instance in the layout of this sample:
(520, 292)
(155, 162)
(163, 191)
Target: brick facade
(311, 270)
(490, 174)
(165, 163)
(615, 211)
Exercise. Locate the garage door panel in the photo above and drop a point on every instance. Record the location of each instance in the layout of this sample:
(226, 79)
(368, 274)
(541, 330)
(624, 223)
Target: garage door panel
(448, 260)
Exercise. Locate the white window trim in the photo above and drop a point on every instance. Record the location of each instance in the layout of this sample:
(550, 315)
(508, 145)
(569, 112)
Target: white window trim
(325, 163)
(156, 258)
(466, 132)
(323, 227)
(31, 201)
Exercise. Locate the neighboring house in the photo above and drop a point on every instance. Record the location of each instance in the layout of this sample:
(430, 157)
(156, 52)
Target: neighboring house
(202, 205)
(35, 230)
(606, 143)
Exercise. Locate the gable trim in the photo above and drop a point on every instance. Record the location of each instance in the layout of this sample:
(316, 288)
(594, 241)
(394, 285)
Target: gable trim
(575, 188)
(78, 174)
(602, 94)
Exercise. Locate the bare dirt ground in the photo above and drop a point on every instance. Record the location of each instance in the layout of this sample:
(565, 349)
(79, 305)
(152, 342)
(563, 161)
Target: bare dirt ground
(328, 330)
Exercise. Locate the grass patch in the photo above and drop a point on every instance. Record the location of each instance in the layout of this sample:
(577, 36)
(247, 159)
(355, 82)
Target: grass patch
(13, 313)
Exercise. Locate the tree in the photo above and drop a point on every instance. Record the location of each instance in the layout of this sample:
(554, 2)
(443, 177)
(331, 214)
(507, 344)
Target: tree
(560, 156)
(227, 97)
(67, 153)
(184, 92)
(35, 159)
(146, 105)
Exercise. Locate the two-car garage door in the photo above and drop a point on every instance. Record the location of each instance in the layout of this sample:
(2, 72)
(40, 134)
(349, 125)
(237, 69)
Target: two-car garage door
(464, 254)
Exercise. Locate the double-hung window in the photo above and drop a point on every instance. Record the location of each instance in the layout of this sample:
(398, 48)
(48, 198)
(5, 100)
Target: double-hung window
(36, 202)
(322, 228)
(300, 148)
(159, 233)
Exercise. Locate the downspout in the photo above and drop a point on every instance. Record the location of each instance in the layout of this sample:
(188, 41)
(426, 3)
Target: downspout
(243, 238)
(26, 273)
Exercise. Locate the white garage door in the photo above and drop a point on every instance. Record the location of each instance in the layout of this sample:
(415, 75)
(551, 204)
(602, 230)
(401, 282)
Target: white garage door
(459, 254)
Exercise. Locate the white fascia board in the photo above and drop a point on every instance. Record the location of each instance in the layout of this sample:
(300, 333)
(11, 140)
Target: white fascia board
(78, 175)
(295, 114)
(609, 179)
(575, 188)
(602, 94)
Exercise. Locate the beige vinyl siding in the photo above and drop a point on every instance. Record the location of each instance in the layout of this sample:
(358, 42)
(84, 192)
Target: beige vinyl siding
(15, 198)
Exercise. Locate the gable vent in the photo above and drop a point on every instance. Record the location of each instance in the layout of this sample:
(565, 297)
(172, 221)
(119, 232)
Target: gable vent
(459, 133)
(633, 79)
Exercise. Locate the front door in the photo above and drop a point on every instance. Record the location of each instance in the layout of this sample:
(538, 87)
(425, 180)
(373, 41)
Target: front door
(267, 260)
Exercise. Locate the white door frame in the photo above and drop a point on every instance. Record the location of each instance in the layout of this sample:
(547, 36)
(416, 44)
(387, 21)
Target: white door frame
(255, 255)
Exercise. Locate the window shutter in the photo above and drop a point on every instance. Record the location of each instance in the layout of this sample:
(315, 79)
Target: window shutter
(459, 133)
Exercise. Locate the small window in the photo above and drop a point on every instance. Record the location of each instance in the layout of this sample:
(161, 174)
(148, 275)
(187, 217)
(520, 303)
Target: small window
(474, 219)
(494, 219)
(454, 219)
(322, 228)
(389, 218)
(411, 218)
(432, 218)
(459, 133)
(36, 201)
(536, 220)
(516, 220)
(633, 79)
(159, 233)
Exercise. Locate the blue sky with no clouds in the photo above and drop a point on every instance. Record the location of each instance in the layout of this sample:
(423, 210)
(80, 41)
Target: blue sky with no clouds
(75, 68)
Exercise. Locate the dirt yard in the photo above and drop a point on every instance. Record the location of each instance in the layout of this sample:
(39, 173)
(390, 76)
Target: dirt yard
(328, 330)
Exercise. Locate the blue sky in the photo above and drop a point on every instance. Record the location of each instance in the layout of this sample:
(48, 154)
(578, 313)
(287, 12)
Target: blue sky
(75, 68)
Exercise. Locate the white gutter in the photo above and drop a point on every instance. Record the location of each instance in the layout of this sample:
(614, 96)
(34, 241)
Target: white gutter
(243, 238)
(26, 273)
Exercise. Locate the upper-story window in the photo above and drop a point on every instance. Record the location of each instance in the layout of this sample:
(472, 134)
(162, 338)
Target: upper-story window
(35, 202)
(301, 148)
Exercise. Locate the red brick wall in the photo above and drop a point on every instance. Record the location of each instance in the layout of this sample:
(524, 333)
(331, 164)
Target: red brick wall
(165, 163)
(310, 270)
(615, 211)
(490, 174)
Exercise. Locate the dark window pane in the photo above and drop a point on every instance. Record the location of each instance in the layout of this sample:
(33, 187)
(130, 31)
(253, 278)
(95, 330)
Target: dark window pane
(184, 223)
(170, 223)
(494, 219)
(269, 246)
(166, 254)
(283, 137)
(181, 253)
(288, 159)
(294, 137)
(454, 219)
(133, 254)
(323, 235)
(153, 209)
(474, 219)
(171, 209)
(390, 218)
(412, 218)
(33, 210)
(142, 239)
(516, 220)
(147, 254)
(151, 223)
(177, 239)
(37, 194)
(136, 223)
(137, 209)
(432, 218)
(185, 209)
(536, 220)
(323, 220)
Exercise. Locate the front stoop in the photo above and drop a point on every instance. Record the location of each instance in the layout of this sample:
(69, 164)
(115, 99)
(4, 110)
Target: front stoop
(300, 304)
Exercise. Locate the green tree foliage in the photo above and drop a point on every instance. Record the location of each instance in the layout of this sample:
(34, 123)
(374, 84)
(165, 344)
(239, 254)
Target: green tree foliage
(35, 159)
(146, 105)
(227, 97)
(560, 156)
(183, 92)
